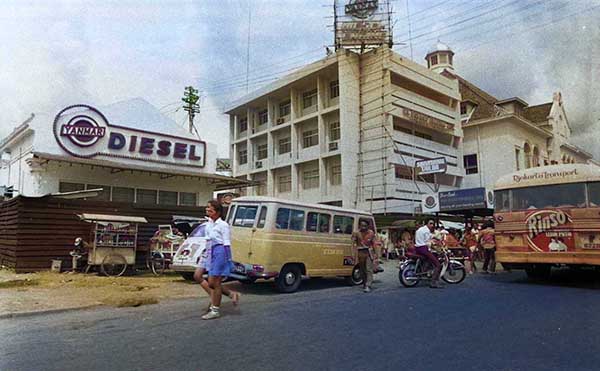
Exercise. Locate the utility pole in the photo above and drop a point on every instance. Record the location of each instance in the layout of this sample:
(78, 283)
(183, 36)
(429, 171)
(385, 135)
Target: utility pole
(191, 97)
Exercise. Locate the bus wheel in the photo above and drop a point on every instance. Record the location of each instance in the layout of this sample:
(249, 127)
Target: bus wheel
(355, 279)
(538, 271)
(289, 278)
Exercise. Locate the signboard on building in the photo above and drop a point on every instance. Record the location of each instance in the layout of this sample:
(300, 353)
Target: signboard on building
(223, 164)
(425, 120)
(434, 166)
(362, 24)
(460, 199)
(83, 131)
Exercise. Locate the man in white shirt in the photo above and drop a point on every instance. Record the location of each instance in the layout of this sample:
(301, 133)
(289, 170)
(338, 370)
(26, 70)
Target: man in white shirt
(423, 238)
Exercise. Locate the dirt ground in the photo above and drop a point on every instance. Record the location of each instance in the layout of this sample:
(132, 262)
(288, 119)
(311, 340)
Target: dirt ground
(35, 292)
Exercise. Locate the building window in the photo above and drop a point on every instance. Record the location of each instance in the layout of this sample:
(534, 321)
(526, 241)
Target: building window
(463, 108)
(261, 190)
(309, 99)
(334, 89)
(167, 198)
(262, 151)
(243, 156)
(243, 124)
(403, 172)
(263, 117)
(518, 158)
(336, 175)
(334, 131)
(470, 162)
(310, 138)
(284, 184)
(285, 145)
(284, 108)
(122, 194)
(103, 195)
(401, 128)
(70, 187)
(434, 60)
(188, 199)
(146, 196)
(310, 179)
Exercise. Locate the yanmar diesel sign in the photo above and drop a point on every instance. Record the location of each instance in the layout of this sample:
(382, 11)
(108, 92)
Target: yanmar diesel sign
(83, 131)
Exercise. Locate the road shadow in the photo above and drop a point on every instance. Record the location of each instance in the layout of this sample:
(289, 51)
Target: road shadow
(583, 278)
(267, 288)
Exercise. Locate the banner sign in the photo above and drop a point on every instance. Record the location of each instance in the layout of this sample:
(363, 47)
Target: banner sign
(433, 166)
(83, 131)
(363, 24)
(465, 199)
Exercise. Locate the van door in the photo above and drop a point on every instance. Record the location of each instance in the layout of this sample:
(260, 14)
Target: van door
(243, 224)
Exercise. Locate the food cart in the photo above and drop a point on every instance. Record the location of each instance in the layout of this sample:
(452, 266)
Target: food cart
(113, 242)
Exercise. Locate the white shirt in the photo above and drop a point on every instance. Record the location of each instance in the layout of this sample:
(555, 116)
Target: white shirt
(422, 236)
(218, 232)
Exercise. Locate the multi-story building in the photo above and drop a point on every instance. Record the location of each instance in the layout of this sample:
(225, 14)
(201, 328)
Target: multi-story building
(502, 136)
(347, 130)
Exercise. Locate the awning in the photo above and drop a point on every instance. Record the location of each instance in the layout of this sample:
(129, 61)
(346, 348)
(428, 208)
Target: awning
(112, 218)
(221, 182)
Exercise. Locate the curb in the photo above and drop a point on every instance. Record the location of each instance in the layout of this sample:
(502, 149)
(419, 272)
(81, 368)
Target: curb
(49, 311)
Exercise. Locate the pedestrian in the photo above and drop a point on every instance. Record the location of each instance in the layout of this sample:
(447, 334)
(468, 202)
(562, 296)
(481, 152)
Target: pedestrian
(364, 240)
(488, 242)
(218, 235)
(469, 242)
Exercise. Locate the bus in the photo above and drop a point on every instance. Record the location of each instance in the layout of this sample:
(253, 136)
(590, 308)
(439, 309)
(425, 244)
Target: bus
(548, 216)
(286, 240)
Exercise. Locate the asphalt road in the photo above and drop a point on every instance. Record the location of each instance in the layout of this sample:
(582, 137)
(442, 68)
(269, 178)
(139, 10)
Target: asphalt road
(500, 322)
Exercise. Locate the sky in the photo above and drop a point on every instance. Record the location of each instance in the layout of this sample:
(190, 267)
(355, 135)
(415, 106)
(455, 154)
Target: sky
(62, 52)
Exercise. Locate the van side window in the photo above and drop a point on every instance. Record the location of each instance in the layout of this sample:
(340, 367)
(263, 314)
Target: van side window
(289, 219)
(316, 222)
(244, 216)
(343, 224)
(262, 217)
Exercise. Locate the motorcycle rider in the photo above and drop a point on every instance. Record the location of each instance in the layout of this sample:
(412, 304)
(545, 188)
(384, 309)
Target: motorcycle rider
(423, 239)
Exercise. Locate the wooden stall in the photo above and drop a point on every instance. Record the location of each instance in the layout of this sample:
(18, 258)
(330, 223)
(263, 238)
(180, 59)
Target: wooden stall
(35, 230)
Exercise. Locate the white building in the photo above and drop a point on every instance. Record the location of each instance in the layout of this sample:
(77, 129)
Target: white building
(128, 149)
(502, 136)
(347, 131)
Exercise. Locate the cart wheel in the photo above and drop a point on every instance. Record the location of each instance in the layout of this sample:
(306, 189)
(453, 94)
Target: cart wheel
(113, 265)
(157, 263)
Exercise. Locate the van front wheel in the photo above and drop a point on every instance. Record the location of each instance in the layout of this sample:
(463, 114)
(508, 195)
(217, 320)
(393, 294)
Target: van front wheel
(289, 279)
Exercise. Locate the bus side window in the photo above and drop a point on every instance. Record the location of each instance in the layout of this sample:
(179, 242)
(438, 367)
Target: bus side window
(324, 222)
(289, 219)
(343, 224)
(283, 218)
(594, 194)
(262, 217)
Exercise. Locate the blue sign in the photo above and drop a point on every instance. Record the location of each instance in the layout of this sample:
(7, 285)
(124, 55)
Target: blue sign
(463, 199)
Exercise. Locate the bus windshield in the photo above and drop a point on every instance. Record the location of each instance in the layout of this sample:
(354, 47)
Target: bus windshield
(550, 196)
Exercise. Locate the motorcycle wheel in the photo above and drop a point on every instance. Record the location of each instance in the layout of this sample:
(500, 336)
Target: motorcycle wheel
(408, 276)
(454, 274)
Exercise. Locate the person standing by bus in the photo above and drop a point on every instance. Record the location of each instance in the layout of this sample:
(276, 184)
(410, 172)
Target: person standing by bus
(364, 240)
(469, 242)
(488, 242)
(219, 237)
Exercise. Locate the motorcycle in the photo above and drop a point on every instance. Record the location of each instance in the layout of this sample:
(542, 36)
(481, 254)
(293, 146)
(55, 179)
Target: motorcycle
(416, 268)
